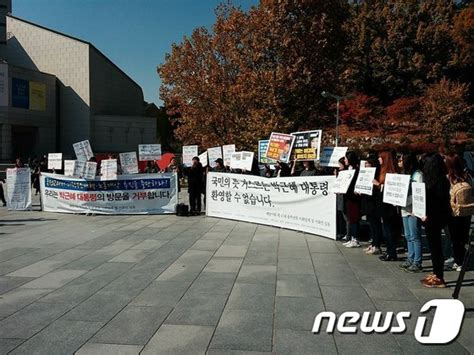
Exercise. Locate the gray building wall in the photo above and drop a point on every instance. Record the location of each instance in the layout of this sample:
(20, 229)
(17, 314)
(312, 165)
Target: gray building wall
(40, 49)
(42, 123)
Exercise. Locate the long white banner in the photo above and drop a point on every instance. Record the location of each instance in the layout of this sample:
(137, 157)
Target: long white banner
(300, 203)
(19, 189)
(129, 194)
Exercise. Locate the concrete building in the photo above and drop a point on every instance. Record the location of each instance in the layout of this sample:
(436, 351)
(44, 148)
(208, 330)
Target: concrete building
(91, 99)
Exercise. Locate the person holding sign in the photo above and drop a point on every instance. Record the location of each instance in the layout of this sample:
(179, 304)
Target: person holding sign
(438, 211)
(352, 202)
(411, 223)
(462, 206)
(195, 186)
(390, 217)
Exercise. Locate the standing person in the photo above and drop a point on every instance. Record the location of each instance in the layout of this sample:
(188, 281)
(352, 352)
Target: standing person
(341, 217)
(174, 167)
(268, 172)
(352, 202)
(411, 223)
(388, 211)
(195, 186)
(151, 167)
(2, 193)
(462, 206)
(282, 169)
(438, 211)
(219, 168)
(40, 168)
(19, 163)
(371, 207)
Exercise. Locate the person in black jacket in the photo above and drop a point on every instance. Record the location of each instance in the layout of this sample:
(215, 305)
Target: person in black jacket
(438, 211)
(352, 202)
(195, 186)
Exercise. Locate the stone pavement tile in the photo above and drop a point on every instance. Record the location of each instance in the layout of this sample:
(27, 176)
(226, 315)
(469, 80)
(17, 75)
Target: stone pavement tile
(193, 339)
(198, 309)
(7, 345)
(238, 240)
(149, 244)
(161, 293)
(323, 246)
(294, 253)
(465, 338)
(223, 265)
(8, 283)
(366, 344)
(180, 272)
(61, 337)
(131, 282)
(299, 342)
(372, 267)
(237, 352)
(11, 253)
(243, 330)
(55, 279)
(115, 248)
(386, 289)
(18, 298)
(295, 267)
(215, 236)
(252, 298)
(257, 257)
(401, 306)
(410, 346)
(207, 245)
(334, 274)
(424, 294)
(37, 269)
(297, 313)
(297, 286)
(346, 298)
(28, 321)
(104, 240)
(101, 307)
(24, 260)
(232, 251)
(89, 262)
(109, 349)
(134, 325)
(293, 242)
(258, 274)
(213, 283)
(264, 246)
(130, 256)
(196, 257)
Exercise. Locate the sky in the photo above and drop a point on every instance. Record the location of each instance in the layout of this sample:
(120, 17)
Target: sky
(134, 34)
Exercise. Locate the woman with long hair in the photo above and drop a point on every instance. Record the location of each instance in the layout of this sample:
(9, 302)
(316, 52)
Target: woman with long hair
(411, 223)
(459, 222)
(352, 202)
(438, 211)
(390, 217)
(341, 217)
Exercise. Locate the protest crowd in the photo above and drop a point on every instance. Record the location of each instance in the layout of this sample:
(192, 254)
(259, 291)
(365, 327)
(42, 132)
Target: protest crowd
(367, 213)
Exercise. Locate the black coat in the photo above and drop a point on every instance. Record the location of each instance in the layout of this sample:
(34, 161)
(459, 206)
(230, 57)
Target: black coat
(195, 178)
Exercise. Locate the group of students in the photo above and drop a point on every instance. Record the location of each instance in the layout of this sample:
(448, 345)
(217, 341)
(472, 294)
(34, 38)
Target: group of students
(449, 206)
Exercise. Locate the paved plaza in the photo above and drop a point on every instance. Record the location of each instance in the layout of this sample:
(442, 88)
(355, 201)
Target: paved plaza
(177, 285)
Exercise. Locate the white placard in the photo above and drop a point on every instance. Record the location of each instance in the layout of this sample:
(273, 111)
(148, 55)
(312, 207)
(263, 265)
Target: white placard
(4, 84)
(55, 161)
(83, 150)
(214, 153)
(330, 156)
(90, 171)
(418, 199)
(362, 163)
(79, 168)
(203, 159)
(343, 181)
(129, 163)
(227, 151)
(19, 189)
(147, 152)
(236, 160)
(69, 167)
(129, 194)
(364, 184)
(246, 160)
(395, 189)
(287, 202)
(108, 169)
(189, 152)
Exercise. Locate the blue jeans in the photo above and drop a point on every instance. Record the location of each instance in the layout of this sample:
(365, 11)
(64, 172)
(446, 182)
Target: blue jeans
(412, 228)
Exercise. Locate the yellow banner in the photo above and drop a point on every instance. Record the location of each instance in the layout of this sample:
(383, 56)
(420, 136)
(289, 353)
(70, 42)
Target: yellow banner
(37, 96)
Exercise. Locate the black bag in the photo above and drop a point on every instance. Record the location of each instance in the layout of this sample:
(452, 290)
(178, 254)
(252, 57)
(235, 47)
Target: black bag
(182, 210)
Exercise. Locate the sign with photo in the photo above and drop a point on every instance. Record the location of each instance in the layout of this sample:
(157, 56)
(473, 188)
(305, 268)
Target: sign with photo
(129, 163)
(307, 145)
(279, 146)
(262, 153)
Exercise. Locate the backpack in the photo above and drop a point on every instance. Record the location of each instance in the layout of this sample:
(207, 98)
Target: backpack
(182, 210)
(462, 200)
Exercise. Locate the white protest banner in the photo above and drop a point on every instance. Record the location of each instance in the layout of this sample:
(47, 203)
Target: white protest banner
(364, 183)
(129, 163)
(55, 161)
(227, 151)
(108, 169)
(418, 198)
(19, 189)
(147, 152)
(83, 150)
(343, 181)
(395, 189)
(129, 194)
(246, 161)
(214, 153)
(236, 160)
(90, 171)
(189, 152)
(203, 159)
(79, 168)
(279, 146)
(288, 202)
(307, 145)
(69, 167)
(330, 156)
